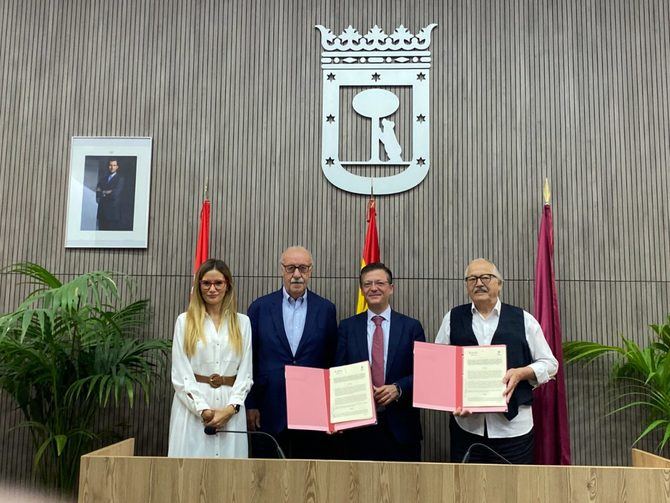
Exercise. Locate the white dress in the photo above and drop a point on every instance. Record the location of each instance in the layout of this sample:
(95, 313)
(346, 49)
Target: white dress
(214, 356)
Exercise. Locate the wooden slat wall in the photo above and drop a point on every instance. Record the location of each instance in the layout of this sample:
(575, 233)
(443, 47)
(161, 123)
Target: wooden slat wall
(230, 92)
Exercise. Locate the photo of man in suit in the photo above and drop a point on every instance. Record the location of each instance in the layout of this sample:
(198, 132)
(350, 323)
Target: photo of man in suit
(385, 338)
(108, 195)
(291, 326)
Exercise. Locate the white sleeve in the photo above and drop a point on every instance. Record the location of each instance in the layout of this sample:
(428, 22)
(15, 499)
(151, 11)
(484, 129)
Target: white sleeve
(183, 377)
(444, 333)
(544, 363)
(244, 378)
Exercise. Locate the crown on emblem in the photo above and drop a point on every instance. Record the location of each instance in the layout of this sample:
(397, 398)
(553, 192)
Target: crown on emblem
(375, 39)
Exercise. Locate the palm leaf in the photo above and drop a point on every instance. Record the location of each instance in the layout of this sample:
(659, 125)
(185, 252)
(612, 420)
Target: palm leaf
(37, 273)
(650, 428)
(575, 351)
(666, 437)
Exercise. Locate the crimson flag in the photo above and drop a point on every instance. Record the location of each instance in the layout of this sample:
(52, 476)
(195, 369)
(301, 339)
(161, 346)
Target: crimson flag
(550, 410)
(202, 246)
(370, 249)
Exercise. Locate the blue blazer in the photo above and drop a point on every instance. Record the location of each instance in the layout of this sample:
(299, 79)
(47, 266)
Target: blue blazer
(271, 352)
(352, 346)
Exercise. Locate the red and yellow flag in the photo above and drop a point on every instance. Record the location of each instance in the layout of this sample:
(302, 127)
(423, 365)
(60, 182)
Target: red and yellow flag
(370, 249)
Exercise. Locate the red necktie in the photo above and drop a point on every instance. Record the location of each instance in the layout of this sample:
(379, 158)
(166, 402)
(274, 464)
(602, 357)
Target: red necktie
(378, 352)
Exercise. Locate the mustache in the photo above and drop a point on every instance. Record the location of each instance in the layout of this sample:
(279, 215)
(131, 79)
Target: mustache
(482, 289)
(297, 281)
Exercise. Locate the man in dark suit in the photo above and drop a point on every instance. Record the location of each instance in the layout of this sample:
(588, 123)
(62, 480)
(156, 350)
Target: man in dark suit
(292, 326)
(108, 196)
(386, 339)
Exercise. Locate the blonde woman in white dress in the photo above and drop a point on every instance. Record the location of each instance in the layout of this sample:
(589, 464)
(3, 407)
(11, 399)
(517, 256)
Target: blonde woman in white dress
(211, 369)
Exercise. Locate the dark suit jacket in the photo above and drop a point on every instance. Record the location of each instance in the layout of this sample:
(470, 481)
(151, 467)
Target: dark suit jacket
(271, 352)
(352, 346)
(109, 205)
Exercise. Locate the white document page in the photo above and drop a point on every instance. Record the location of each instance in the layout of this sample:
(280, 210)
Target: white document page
(350, 395)
(483, 370)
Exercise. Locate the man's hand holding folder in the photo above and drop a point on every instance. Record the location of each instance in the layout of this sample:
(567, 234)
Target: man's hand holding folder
(462, 379)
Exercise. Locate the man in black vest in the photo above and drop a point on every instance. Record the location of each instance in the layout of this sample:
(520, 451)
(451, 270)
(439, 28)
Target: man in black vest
(529, 363)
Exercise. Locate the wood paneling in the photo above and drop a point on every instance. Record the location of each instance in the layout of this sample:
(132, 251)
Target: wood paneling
(230, 92)
(142, 479)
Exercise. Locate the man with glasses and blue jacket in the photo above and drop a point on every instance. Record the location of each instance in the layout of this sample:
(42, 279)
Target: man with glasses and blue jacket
(291, 326)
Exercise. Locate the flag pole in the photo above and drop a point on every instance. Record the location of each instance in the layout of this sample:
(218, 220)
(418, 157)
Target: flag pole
(546, 192)
(371, 202)
(371, 244)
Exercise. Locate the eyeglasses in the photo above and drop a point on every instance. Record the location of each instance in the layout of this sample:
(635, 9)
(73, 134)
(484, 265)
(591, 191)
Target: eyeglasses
(369, 284)
(206, 285)
(484, 278)
(290, 269)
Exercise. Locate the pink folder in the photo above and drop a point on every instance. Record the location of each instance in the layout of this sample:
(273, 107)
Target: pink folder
(438, 378)
(308, 401)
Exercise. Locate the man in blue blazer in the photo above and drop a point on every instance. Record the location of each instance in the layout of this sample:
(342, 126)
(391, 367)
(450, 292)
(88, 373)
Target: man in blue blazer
(292, 326)
(385, 338)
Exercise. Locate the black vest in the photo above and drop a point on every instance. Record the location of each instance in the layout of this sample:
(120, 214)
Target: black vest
(512, 333)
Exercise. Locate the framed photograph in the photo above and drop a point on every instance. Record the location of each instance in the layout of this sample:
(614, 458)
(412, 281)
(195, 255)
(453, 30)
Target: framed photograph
(108, 203)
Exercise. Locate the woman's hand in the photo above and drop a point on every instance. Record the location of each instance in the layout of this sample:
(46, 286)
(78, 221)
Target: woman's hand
(220, 416)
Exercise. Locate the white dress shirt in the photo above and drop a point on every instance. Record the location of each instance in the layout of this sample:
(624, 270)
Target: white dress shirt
(544, 365)
(386, 328)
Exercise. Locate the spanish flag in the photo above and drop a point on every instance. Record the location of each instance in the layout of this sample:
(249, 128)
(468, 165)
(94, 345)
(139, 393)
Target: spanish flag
(370, 249)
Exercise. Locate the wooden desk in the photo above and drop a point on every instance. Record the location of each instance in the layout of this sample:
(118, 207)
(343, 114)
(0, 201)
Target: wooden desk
(114, 474)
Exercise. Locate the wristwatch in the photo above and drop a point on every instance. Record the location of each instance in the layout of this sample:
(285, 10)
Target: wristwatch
(236, 407)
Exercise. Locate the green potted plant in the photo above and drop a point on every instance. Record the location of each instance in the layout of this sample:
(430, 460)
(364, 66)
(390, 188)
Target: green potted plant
(641, 376)
(69, 350)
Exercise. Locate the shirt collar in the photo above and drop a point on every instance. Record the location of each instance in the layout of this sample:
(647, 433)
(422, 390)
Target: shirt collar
(386, 314)
(289, 299)
(496, 308)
